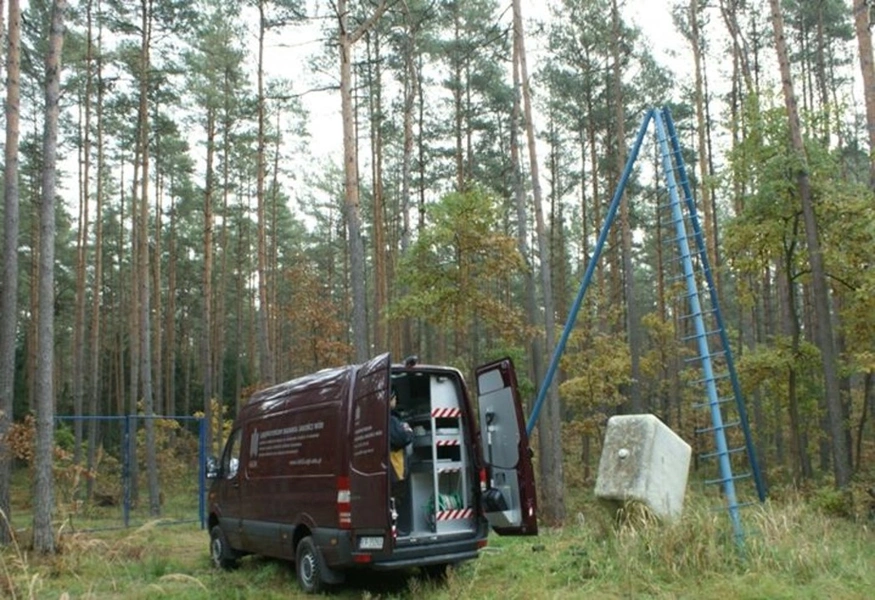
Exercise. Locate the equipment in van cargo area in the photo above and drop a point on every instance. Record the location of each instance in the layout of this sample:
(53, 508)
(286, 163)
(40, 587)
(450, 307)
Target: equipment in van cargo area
(304, 474)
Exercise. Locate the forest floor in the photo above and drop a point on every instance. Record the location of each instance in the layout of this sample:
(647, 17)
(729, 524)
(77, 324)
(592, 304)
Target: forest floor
(793, 547)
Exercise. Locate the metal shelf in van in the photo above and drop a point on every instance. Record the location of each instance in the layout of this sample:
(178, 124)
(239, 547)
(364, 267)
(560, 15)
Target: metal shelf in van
(441, 466)
(441, 439)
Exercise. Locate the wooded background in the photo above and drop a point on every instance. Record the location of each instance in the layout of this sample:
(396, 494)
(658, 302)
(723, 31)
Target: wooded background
(171, 244)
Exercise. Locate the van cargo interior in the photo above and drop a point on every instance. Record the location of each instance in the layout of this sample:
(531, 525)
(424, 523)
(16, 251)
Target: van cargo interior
(441, 496)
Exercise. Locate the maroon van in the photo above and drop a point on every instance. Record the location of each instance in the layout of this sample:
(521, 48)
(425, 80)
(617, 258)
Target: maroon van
(304, 474)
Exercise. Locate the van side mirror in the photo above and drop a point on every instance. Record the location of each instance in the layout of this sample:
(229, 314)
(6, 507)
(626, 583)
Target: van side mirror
(212, 468)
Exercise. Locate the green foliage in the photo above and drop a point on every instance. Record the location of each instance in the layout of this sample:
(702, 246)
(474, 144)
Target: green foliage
(768, 365)
(768, 237)
(597, 370)
(456, 274)
(832, 502)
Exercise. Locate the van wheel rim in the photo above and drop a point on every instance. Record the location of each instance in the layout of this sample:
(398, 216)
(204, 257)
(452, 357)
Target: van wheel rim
(308, 567)
(217, 551)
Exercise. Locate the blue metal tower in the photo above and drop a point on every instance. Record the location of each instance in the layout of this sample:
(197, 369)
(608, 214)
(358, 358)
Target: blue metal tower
(713, 352)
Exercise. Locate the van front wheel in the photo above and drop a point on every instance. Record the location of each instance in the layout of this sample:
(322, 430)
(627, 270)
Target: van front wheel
(220, 552)
(308, 562)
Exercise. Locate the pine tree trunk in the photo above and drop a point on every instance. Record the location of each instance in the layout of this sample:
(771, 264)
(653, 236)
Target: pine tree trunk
(265, 352)
(94, 371)
(350, 167)
(375, 108)
(156, 309)
(44, 495)
(273, 258)
(410, 89)
(9, 290)
(864, 44)
(823, 313)
(535, 350)
(549, 428)
(633, 327)
(207, 350)
(221, 312)
(170, 353)
(78, 340)
(143, 270)
(132, 312)
(701, 129)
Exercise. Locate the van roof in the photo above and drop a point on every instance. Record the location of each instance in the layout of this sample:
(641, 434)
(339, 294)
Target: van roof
(323, 378)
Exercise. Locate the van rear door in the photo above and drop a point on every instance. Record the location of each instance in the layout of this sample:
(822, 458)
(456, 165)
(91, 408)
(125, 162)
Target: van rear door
(369, 433)
(509, 500)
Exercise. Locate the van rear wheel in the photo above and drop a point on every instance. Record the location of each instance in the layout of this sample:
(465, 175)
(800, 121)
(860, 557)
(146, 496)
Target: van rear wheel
(309, 566)
(220, 552)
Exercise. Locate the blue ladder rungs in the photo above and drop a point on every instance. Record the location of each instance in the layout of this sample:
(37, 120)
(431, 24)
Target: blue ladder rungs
(719, 402)
(723, 427)
(731, 451)
(700, 335)
(703, 357)
(714, 378)
(727, 479)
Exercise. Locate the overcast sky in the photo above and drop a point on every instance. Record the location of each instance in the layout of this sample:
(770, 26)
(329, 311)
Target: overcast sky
(653, 17)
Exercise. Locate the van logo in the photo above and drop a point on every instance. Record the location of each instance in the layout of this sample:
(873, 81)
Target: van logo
(253, 444)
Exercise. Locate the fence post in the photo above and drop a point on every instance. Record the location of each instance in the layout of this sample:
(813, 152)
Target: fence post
(202, 475)
(126, 471)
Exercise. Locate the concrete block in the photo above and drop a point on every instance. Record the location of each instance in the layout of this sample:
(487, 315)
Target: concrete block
(643, 460)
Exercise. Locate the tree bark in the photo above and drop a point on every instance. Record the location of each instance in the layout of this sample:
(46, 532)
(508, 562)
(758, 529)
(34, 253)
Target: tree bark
(97, 282)
(265, 353)
(350, 168)
(207, 350)
(633, 327)
(381, 286)
(44, 498)
(9, 291)
(820, 285)
(864, 44)
(550, 428)
(536, 353)
(701, 129)
(410, 88)
(143, 270)
(171, 351)
(78, 341)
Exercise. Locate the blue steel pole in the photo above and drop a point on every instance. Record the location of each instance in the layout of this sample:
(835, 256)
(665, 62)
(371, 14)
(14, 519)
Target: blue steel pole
(590, 268)
(712, 289)
(701, 336)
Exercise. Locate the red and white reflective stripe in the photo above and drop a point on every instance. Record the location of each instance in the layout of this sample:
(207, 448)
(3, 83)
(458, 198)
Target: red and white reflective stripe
(446, 442)
(482, 479)
(446, 413)
(344, 509)
(452, 515)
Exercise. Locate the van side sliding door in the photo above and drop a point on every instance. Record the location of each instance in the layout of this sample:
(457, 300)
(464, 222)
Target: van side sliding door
(509, 501)
(369, 451)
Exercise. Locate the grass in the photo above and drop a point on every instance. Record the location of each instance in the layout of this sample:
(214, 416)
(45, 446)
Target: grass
(791, 550)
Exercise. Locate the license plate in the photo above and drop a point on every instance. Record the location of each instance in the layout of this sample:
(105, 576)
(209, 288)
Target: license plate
(370, 543)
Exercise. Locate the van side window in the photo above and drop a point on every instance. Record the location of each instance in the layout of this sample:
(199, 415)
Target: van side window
(231, 459)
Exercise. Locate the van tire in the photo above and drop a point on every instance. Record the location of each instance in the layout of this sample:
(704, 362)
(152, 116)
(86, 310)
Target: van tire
(309, 566)
(222, 555)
